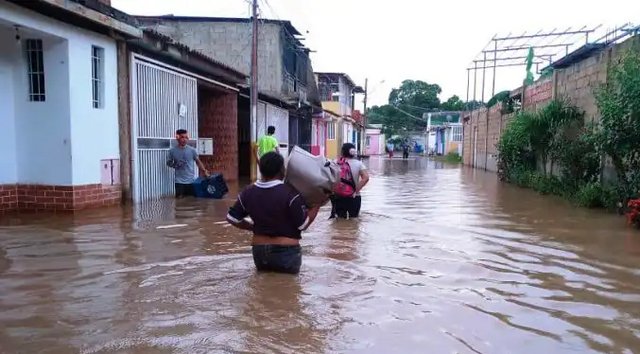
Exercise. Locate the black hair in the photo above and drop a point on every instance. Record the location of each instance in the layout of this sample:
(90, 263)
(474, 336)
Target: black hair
(181, 131)
(271, 165)
(346, 147)
(271, 130)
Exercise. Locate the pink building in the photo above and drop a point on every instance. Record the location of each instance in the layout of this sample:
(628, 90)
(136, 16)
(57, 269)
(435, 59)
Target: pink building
(319, 135)
(374, 142)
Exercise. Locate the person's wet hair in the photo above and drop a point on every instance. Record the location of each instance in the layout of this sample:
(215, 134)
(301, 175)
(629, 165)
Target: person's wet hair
(181, 131)
(271, 130)
(271, 165)
(346, 150)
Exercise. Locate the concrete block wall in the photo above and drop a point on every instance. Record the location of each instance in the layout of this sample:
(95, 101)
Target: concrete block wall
(218, 119)
(230, 43)
(483, 128)
(576, 83)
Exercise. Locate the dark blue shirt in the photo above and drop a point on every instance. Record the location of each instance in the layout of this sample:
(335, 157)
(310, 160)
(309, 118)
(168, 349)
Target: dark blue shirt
(276, 209)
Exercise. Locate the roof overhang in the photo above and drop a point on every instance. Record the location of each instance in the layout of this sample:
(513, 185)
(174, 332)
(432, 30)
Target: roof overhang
(101, 18)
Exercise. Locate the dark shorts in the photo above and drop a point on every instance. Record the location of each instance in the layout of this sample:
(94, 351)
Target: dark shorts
(184, 190)
(346, 207)
(276, 258)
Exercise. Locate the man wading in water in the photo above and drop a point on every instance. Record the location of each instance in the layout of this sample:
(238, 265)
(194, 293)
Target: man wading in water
(181, 158)
(279, 216)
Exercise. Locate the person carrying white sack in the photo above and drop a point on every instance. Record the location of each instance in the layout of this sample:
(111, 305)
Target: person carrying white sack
(346, 200)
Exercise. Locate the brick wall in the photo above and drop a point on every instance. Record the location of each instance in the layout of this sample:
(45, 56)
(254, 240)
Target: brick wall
(218, 119)
(25, 197)
(537, 95)
(8, 198)
(578, 82)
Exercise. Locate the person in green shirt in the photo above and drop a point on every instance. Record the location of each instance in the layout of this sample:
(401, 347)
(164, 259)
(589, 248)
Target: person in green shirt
(267, 143)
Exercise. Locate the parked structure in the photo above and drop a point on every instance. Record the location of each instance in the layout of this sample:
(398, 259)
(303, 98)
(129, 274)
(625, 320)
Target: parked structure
(332, 141)
(448, 139)
(337, 92)
(59, 104)
(375, 140)
(173, 86)
(285, 76)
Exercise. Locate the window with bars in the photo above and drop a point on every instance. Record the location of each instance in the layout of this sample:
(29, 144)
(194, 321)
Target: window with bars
(35, 69)
(456, 133)
(97, 76)
(331, 131)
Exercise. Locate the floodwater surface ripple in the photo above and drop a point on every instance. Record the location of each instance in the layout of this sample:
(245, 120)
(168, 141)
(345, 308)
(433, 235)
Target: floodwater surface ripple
(444, 259)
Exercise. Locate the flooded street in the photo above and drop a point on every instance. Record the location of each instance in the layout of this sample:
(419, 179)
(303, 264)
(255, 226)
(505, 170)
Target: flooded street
(443, 260)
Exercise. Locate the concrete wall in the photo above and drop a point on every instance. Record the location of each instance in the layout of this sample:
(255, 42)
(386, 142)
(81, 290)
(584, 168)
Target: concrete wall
(57, 142)
(576, 83)
(230, 43)
(9, 170)
(375, 147)
(87, 147)
(481, 135)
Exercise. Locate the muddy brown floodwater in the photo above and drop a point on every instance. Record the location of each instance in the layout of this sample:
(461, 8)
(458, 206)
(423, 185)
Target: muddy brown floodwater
(443, 259)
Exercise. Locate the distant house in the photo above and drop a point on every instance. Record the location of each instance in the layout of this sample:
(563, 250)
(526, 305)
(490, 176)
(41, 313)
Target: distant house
(337, 92)
(286, 84)
(375, 141)
(59, 104)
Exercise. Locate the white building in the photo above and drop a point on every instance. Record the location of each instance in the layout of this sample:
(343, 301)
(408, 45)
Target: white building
(59, 105)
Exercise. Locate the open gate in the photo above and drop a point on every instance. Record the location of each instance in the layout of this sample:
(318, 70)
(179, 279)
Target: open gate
(163, 101)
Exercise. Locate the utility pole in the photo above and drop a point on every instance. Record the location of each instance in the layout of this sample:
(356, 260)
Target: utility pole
(366, 82)
(254, 74)
(363, 138)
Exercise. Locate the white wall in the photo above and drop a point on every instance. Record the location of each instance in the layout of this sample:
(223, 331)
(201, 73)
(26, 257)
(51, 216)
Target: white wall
(94, 131)
(42, 128)
(8, 171)
(62, 140)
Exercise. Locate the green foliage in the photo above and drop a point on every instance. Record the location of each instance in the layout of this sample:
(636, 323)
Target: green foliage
(619, 130)
(471, 105)
(452, 157)
(556, 135)
(414, 97)
(502, 96)
(454, 103)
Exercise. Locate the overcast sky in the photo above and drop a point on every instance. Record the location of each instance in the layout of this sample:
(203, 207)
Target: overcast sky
(389, 41)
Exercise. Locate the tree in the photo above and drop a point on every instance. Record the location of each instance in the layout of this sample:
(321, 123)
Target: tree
(416, 94)
(408, 103)
(454, 103)
(393, 121)
(619, 131)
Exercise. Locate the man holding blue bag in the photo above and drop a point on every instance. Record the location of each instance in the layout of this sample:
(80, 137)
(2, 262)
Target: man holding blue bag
(181, 158)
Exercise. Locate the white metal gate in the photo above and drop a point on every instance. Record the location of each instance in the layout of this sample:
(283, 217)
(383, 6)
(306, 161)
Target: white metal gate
(162, 102)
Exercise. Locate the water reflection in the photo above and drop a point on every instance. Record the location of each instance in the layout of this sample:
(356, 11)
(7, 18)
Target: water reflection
(443, 257)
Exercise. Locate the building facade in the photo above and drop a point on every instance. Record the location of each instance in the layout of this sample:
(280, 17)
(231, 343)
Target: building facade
(170, 86)
(375, 142)
(285, 74)
(337, 92)
(59, 105)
